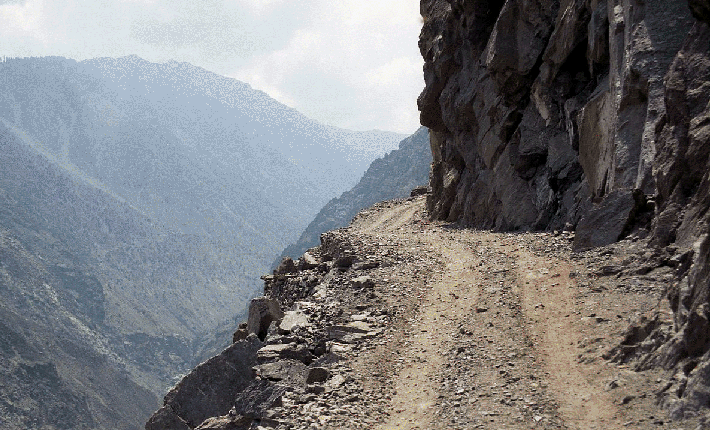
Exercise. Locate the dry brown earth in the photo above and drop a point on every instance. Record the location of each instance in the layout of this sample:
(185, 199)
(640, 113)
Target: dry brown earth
(493, 331)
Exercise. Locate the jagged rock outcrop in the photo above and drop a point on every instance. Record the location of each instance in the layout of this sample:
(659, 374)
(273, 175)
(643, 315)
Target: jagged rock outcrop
(539, 109)
(209, 390)
(590, 115)
(683, 179)
(390, 177)
(262, 312)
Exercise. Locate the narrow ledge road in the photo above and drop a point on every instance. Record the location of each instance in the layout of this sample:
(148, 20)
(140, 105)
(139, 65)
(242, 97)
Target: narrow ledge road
(498, 331)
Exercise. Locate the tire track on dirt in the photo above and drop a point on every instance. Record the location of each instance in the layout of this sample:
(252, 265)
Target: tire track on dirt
(547, 294)
(451, 295)
(494, 334)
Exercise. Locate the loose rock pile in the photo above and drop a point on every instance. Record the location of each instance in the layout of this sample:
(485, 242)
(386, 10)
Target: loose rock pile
(291, 370)
(395, 322)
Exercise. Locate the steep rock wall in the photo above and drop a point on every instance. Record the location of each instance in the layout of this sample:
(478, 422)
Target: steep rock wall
(590, 115)
(682, 167)
(539, 108)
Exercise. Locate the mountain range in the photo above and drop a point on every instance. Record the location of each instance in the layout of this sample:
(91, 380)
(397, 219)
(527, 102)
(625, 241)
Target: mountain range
(140, 204)
(588, 119)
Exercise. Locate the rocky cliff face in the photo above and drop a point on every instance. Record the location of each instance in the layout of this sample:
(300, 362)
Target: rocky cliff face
(587, 114)
(539, 108)
(390, 177)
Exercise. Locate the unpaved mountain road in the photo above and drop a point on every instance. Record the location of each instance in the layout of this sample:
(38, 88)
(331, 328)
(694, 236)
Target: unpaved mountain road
(500, 331)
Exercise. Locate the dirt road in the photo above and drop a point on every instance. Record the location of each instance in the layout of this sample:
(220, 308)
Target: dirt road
(443, 327)
(498, 332)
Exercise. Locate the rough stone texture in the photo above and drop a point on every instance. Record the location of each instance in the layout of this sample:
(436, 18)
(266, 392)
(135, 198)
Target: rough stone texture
(254, 401)
(537, 108)
(296, 363)
(345, 261)
(209, 390)
(241, 333)
(262, 312)
(291, 372)
(318, 375)
(165, 418)
(285, 266)
(227, 422)
(419, 191)
(682, 170)
(284, 351)
(362, 282)
(591, 115)
(309, 261)
(606, 222)
(292, 320)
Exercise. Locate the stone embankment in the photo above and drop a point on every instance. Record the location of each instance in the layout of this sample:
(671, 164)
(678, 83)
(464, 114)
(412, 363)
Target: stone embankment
(400, 323)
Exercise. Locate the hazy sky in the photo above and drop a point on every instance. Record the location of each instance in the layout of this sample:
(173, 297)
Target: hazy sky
(350, 63)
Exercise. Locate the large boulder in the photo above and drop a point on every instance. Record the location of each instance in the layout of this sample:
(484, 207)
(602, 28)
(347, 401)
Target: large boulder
(262, 312)
(608, 220)
(293, 320)
(289, 372)
(280, 351)
(210, 389)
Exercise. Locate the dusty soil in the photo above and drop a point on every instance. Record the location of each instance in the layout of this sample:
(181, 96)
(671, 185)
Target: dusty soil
(495, 331)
